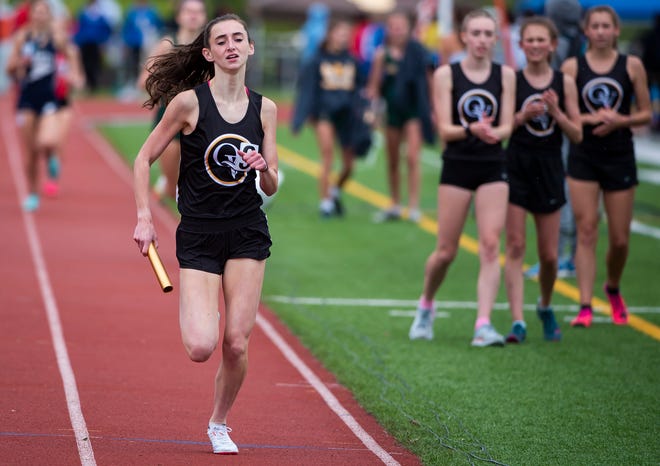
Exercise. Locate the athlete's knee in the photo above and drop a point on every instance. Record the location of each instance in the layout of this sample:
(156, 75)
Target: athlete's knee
(515, 247)
(234, 349)
(548, 257)
(444, 255)
(588, 233)
(199, 347)
(619, 244)
(489, 248)
(199, 352)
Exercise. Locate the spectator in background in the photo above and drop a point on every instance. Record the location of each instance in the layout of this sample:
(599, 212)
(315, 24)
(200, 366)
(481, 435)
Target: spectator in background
(651, 60)
(327, 89)
(94, 30)
(400, 75)
(141, 30)
(367, 36)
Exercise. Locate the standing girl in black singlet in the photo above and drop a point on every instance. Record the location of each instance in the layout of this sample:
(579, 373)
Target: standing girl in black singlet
(227, 134)
(474, 103)
(604, 162)
(190, 19)
(546, 106)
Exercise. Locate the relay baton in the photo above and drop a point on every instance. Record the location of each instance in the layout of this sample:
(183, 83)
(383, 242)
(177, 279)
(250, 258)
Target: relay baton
(159, 269)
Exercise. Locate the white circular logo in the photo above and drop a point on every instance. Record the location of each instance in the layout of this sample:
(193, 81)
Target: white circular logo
(474, 105)
(541, 125)
(602, 93)
(222, 161)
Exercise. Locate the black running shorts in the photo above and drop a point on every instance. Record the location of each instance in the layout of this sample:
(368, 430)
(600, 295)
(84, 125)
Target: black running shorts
(470, 174)
(207, 246)
(536, 182)
(612, 172)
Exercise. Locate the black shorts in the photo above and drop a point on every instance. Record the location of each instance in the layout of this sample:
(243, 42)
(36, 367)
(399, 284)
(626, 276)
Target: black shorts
(536, 182)
(341, 122)
(611, 172)
(207, 246)
(470, 174)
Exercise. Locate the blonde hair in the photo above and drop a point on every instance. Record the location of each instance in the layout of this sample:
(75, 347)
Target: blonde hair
(479, 13)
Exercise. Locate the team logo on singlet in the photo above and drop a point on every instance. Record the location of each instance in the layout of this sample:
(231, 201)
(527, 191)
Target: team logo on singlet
(337, 76)
(476, 104)
(223, 163)
(541, 125)
(602, 93)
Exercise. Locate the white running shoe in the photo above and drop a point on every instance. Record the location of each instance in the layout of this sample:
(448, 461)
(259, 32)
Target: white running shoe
(222, 444)
(486, 335)
(422, 326)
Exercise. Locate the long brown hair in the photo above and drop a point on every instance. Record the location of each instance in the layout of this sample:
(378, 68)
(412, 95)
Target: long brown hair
(183, 67)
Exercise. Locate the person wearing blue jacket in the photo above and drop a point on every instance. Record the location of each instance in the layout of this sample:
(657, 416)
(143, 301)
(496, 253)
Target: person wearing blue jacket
(142, 28)
(94, 30)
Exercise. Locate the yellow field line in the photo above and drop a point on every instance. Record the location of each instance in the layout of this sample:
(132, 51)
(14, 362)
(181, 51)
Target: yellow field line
(305, 165)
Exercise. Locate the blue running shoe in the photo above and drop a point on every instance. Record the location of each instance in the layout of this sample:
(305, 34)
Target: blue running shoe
(518, 333)
(551, 331)
(31, 203)
(53, 167)
(532, 272)
(566, 268)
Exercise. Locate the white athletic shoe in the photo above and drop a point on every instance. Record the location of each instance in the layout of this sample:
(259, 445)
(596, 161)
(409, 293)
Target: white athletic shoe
(486, 335)
(422, 326)
(219, 437)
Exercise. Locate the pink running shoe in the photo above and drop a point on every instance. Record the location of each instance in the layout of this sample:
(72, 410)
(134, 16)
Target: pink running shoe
(619, 309)
(51, 188)
(583, 318)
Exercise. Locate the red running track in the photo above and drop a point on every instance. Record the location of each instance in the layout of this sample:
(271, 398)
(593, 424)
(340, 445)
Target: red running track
(92, 370)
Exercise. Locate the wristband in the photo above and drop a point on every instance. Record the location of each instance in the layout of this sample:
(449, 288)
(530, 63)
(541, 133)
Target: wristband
(468, 133)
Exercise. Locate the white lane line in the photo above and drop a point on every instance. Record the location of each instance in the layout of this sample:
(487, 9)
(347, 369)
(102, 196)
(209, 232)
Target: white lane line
(358, 302)
(52, 313)
(333, 403)
(116, 163)
(643, 229)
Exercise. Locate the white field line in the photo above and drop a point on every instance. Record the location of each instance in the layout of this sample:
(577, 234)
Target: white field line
(116, 163)
(396, 303)
(643, 229)
(83, 441)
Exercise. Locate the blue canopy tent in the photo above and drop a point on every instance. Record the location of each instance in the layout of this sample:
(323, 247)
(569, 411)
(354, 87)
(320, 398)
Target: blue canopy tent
(632, 10)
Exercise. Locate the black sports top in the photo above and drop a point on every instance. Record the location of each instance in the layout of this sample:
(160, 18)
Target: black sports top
(470, 102)
(214, 181)
(613, 89)
(40, 52)
(540, 135)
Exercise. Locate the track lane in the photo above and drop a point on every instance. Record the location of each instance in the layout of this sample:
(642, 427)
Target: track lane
(144, 401)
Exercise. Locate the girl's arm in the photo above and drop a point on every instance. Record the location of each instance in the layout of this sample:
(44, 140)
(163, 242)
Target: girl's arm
(569, 68)
(442, 104)
(507, 104)
(569, 121)
(376, 74)
(180, 115)
(16, 62)
(266, 161)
